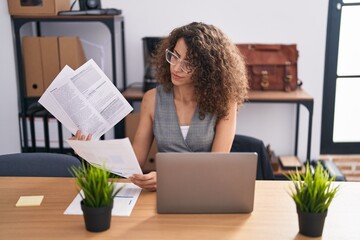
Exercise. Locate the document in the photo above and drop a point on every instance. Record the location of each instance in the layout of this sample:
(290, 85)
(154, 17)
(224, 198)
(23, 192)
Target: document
(116, 155)
(124, 201)
(85, 99)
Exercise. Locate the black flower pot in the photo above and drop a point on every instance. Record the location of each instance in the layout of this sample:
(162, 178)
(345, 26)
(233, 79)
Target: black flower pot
(311, 224)
(97, 219)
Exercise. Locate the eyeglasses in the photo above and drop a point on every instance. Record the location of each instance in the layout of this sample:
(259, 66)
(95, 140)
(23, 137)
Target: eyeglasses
(173, 59)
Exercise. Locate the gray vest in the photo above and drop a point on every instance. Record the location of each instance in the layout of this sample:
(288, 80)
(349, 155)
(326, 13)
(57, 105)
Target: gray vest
(167, 130)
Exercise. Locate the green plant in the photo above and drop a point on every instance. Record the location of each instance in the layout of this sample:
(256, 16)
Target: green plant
(312, 193)
(98, 190)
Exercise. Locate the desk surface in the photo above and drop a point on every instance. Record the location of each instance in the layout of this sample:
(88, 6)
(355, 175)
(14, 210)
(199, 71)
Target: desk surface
(274, 215)
(136, 93)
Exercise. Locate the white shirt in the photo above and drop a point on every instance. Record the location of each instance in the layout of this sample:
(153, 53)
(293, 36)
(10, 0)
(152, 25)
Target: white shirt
(184, 131)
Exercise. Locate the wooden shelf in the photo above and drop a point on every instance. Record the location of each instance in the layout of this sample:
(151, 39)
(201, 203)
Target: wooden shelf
(133, 93)
(298, 97)
(115, 25)
(136, 94)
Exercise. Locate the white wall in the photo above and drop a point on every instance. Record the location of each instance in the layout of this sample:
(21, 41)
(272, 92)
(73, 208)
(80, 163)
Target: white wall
(262, 21)
(9, 124)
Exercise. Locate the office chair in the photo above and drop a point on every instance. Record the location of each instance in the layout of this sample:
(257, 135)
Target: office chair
(37, 164)
(243, 143)
(149, 46)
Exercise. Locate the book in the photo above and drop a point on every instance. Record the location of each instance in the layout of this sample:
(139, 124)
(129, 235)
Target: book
(290, 162)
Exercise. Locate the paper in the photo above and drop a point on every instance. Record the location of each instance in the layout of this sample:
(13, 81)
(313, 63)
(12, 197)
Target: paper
(86, 100)
(117, 155)
(124, 201)
(25, 201)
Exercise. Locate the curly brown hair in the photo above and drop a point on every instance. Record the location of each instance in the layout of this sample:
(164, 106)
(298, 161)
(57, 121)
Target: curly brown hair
(219, 73)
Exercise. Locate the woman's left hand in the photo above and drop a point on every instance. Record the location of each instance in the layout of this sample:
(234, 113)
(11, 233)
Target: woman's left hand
(146, 181)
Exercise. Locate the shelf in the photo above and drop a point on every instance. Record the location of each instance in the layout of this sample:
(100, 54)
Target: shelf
(136, 94)
(115, 25)
(298, 97)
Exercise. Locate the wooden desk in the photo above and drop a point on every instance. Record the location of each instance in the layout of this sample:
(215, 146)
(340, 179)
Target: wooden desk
(274, 215)
(298, 97)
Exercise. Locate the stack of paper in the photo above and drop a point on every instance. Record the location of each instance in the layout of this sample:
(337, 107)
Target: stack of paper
(124, 201)
(85, 99)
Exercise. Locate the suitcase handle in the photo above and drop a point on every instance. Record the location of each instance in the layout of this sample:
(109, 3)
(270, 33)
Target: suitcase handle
(265, 47)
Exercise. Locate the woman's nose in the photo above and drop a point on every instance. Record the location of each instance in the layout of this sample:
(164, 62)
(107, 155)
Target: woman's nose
(177, 66)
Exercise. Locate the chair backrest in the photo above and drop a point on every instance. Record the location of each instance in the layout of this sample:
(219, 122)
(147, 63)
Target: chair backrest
(243, 143)
(149, 46)
(37, 164)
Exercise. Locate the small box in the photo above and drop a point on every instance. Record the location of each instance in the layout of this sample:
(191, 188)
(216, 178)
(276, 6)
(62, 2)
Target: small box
(33, 66)
(37, 7)
(44, 57)
(71, 52)
(50, 59)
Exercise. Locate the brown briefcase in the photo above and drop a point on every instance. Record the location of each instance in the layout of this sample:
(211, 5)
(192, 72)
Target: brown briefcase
(271, 66)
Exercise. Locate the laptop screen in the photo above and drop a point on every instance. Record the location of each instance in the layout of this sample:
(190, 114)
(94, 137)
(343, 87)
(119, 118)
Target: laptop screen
(205, 182)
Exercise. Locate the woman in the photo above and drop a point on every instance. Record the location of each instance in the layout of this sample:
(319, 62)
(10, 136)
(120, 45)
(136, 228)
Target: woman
(202, 82)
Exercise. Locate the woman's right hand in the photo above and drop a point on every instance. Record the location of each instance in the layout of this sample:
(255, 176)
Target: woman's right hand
(146, 181)
(79, 136)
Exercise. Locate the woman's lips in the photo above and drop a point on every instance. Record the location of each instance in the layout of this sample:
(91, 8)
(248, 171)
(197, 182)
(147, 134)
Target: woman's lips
(174, 76)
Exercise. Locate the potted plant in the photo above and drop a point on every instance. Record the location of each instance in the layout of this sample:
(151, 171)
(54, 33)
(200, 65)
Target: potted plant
(312, 193)
(97, 195)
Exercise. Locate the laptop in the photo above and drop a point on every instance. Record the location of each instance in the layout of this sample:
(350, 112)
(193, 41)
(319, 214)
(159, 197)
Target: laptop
(205, 182)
